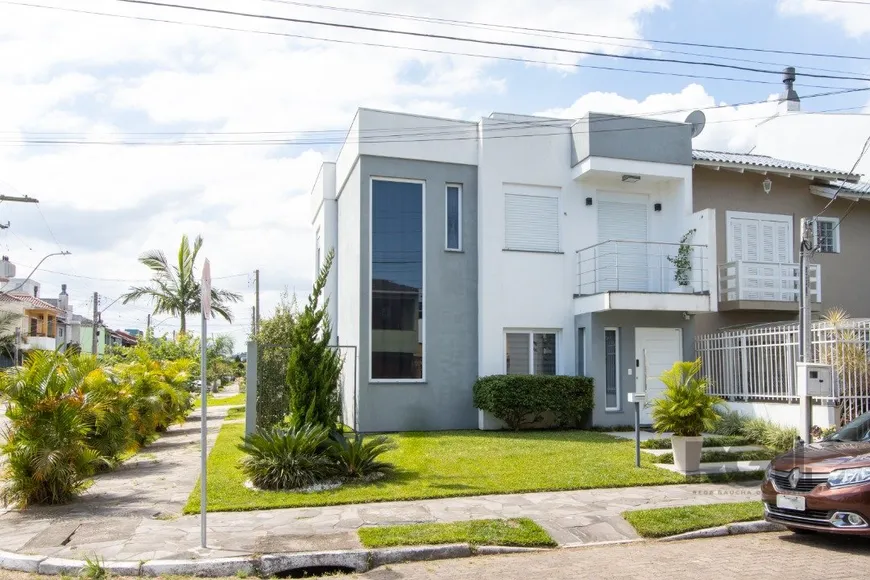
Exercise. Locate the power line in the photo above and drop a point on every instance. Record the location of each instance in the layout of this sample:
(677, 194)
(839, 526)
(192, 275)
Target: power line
(50, 231)
(854, 166)
(445, 136)
(858, 2)
(589, 35)
(559, 34)
(429, 130)
(432, 36)
(411, 48)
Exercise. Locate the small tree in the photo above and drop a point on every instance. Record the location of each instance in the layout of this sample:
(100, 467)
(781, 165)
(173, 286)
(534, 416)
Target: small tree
(314, 366)
(683, 261)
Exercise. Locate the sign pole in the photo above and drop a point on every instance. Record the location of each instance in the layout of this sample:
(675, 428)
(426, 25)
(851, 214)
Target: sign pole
(203, 485)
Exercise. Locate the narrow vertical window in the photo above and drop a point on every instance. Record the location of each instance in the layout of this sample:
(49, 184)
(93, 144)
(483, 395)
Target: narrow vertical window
(397, 280)
(454, 217)
(581, 352)
(317, 254)
(611, 369)
(545, 353)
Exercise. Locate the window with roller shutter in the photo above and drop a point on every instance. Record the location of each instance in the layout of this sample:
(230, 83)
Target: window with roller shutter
(531, 223)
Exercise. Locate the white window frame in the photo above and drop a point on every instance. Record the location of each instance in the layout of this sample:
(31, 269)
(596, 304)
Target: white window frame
(527, 190)
(421, 182)
(618, 406)
(530, 332)
(835, 230)
(447, 247)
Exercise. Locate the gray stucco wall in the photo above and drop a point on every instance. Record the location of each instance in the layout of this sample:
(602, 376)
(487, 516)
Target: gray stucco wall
(444, 401)
(633, 138)
(626, 322)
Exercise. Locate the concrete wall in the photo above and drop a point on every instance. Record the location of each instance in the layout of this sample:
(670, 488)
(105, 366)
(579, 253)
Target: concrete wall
(324, 210)
(634, 138)
(842, 273)
(444, 400)
(785, 414)
(626, 322)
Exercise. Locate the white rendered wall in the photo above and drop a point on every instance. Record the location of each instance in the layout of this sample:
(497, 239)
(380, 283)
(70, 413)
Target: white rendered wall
(786, 414)
(534, 291)
(347, 271)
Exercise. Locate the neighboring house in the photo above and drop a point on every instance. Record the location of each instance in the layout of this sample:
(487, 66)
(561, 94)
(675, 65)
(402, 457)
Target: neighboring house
(121, 338)
(757, 237)
(38, 320)
(525, 245)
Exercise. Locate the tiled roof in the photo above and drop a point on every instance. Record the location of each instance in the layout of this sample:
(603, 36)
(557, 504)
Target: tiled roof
(30, 301)
(764, 161)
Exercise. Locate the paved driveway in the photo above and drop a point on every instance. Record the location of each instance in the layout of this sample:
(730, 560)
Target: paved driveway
(782, 556)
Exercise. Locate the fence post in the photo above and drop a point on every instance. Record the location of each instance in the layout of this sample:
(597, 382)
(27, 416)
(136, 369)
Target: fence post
(251, 390)
(744, 366)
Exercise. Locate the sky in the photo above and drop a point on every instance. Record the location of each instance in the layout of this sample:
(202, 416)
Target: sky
(193, 128)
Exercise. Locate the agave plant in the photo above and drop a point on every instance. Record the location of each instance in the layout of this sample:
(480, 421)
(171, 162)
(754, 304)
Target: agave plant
(358, 457)
(287, 458)
(49, 459)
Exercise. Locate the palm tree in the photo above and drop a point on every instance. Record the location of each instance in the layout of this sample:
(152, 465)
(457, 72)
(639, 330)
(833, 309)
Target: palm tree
(8, 322)
(175, 288)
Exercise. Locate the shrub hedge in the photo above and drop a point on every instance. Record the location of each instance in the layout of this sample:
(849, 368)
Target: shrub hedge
(520, 400)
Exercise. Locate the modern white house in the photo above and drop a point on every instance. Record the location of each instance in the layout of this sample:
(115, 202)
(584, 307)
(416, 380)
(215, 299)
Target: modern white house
(512, 245)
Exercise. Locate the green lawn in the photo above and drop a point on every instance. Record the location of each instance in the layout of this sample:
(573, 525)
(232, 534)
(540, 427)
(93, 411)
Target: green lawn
(661, 522)
(514, 532)
(235, 400)
(235, 413)
(453, 463)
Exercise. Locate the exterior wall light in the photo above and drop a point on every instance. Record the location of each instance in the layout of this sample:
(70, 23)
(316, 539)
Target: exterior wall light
(767, 184)
(657, 207)
(588, 201)
(631, 178)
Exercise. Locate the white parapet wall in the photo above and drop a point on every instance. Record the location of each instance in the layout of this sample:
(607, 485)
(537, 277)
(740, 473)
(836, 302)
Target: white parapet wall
(786, 414)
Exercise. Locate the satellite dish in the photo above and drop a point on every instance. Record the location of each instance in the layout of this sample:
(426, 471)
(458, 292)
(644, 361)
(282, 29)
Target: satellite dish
(697, 120)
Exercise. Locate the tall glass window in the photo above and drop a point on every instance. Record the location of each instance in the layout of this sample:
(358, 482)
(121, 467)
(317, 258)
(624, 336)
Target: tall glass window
(454, 218)
(397, 280)
(611, 369)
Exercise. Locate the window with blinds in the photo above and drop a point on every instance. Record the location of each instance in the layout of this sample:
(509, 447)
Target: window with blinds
(530, 353)
(531, 223)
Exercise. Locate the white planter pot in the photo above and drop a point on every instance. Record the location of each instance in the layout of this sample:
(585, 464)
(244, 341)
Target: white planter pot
(687, 453)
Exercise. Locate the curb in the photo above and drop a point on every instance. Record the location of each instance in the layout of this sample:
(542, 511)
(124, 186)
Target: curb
(264, 565)
(729, 530)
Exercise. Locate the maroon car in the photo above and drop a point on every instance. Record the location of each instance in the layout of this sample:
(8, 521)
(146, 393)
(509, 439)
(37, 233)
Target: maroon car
(824, 486)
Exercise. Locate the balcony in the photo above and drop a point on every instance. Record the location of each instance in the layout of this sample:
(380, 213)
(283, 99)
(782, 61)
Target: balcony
(631, 275)
(765, 286)
(37, 342)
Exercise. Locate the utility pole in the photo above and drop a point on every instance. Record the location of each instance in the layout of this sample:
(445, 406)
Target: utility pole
(805, 343)
(19, 199)
(96, 323)
(254, 322)
(256, 302)
(148, 324)
(17, 344)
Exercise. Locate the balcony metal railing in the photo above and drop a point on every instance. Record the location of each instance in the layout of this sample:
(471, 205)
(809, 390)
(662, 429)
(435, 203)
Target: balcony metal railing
(631, 266)
(767, 281)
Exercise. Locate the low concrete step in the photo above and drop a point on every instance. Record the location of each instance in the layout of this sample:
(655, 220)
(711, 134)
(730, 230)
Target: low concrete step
(723, 467)
(731, 449)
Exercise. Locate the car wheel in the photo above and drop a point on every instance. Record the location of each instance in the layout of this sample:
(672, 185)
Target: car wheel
(801, 531)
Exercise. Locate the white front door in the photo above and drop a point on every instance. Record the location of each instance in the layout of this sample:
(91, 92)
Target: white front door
(622, 266)
(656, 349)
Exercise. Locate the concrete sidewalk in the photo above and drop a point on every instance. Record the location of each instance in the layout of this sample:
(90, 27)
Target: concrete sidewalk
(134, 513)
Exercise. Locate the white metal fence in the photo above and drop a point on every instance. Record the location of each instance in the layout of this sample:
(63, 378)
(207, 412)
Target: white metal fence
(758, 363)
(765, 281)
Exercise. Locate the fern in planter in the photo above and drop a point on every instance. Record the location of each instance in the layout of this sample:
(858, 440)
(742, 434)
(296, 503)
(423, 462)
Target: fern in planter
(683, 261)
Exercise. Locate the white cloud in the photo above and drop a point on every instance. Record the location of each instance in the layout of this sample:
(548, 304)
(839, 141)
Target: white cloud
(105, 78)
(729, 128)
(852, 17)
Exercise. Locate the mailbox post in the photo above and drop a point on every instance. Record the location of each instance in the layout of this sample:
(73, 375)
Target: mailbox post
(637, 399)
